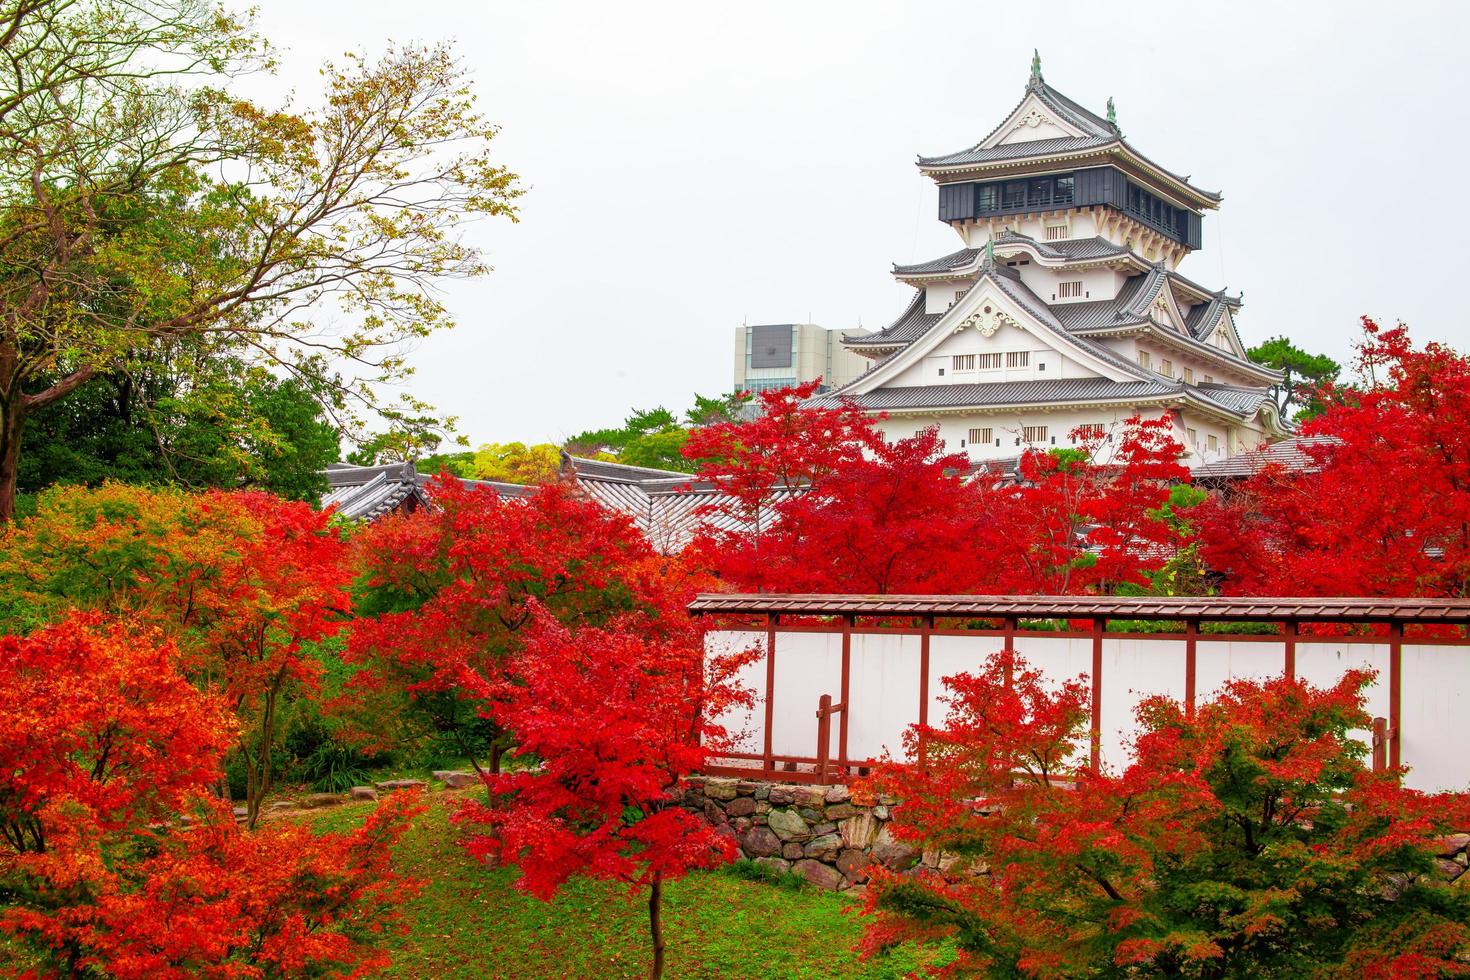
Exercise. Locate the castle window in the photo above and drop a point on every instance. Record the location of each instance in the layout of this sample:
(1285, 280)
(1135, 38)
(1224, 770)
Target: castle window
(1166, 368)
(1090, 430)
(1213, 442)
(1040, 192)
(981, 435)
(1069, 290)
(989, 197)
(1189, 376)
(1144, 360)
(1034, 433)
(964, 362)
(1193, 436)
(1063, 192)
(1013, 194)
(1017, 358)
(989, 361)
(1055, 233)
(1209, 379)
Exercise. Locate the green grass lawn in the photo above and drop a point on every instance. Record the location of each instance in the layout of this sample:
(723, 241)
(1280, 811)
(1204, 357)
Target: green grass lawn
(471, 922)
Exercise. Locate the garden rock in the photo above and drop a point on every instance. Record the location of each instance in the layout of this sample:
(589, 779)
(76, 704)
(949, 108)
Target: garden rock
(393, 785)
(760, 842)
(819, 874)
(859, 831)
(363, 793)
(854, 864)
(787, 824)
(824, 848)
(720, 789)
(456, 779)
(742, 806)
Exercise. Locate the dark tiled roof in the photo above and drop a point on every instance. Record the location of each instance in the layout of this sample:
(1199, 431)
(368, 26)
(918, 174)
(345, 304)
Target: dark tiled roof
(370, 492)
(912, 324)
(1293, 454)
(1076, 249)
(1242, 401)
(1018, 151)
(947, 263)
(605, 470)
(1006, 393)
(1098, 133)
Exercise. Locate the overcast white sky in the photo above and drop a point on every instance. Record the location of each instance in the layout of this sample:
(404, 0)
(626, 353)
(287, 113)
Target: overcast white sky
(693, 165)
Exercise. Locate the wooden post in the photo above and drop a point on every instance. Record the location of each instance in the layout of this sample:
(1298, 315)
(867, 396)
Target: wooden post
(1290, 628)
(1380, 744)
(1098, 625)
(1191, 638)
(824, 735)
(1010, 649)
(926, 628)
(768, 759)
(1395, 692)
(847, 624)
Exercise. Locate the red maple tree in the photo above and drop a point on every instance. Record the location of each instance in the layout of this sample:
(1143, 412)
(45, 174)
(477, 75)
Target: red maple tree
(818, 501)
(1384, 506)
(448, 591)
(114, 859)
(616, 715)
(1248, 838)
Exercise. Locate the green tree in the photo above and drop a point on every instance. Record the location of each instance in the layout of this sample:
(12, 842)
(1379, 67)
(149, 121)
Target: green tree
(219, 423)
(515, 462)
(1304, 374)
(142, 200)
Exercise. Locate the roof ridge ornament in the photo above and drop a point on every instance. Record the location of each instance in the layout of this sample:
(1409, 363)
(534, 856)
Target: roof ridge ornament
(1036, 78)
(1113, 115)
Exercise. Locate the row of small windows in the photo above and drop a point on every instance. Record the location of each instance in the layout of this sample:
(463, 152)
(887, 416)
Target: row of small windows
(1156, 212)
(1166, 368)
(991, 362)
(1034, 192)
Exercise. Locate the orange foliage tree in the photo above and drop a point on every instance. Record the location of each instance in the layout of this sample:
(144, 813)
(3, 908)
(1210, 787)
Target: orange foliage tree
(243, 582)
(106, 745)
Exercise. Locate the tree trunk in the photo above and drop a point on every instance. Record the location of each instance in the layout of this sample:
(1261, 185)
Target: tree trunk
(655, 925)
(12, 421)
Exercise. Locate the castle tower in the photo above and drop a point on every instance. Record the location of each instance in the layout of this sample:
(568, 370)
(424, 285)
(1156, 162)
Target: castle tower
(1065, 307)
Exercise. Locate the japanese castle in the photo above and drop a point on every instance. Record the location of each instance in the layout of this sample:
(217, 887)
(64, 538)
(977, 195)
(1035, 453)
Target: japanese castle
(1064, 311)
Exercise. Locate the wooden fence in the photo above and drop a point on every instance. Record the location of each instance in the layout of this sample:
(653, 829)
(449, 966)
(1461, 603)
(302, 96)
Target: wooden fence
(871, 666)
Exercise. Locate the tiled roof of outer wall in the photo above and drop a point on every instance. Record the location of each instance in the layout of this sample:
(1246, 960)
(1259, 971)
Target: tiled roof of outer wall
(1213, 608)
(1291, 454)
(369, 492)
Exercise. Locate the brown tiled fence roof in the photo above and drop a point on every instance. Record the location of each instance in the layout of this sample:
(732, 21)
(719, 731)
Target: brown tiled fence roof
(1221, 609)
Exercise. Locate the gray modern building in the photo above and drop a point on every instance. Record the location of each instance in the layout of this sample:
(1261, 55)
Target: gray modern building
(779, 355)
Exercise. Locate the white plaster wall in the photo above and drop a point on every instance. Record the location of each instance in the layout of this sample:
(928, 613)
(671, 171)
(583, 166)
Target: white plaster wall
(808, 665)
(745, 726)
(1009, 426)
(883, 693)
(884, 687)
(1435, 709)
(1131, 671)
(1323, 664)
(1218, 661)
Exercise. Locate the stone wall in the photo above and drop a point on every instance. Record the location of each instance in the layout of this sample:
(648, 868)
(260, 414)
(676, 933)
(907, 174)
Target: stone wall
(821, 834)
(818, 832)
